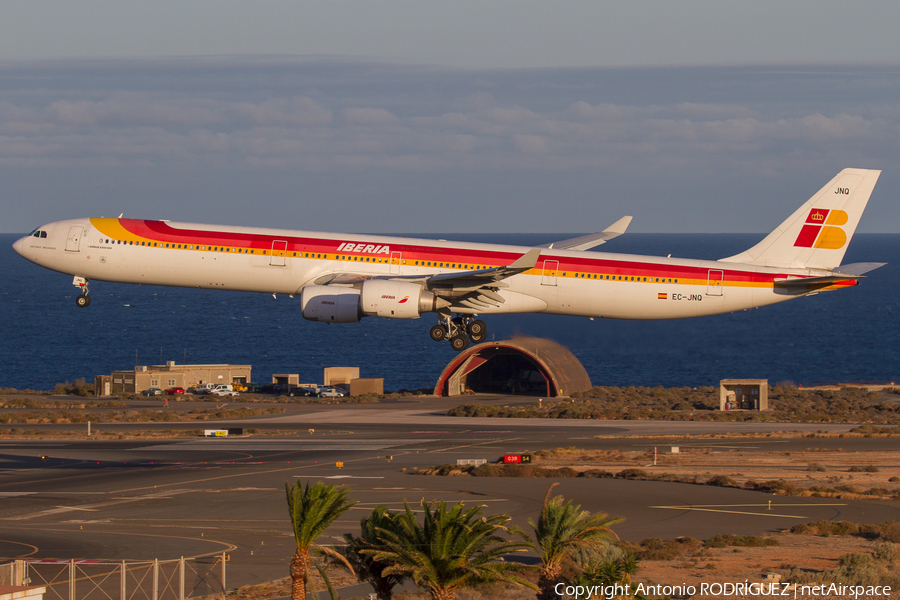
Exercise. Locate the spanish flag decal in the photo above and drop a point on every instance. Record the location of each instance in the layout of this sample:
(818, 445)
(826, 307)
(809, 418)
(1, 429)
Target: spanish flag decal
(661, 296)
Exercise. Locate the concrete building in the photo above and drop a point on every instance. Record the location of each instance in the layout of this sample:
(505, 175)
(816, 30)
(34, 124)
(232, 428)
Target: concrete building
(340, 376)
(170, 375)
(360, 387)
(744, 394)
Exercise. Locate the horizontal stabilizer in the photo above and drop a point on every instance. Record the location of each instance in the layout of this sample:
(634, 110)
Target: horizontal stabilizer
(592, 240)
(860, 268)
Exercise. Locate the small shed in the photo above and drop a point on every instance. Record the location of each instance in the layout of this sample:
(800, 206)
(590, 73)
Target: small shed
(341, 376)
(286, 378)
(359, 387)
(744, 394)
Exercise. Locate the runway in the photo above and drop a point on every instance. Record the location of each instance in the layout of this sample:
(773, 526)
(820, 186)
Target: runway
(145, 499)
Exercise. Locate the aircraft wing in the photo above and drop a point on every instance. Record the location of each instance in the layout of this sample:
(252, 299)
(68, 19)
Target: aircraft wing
(472, 289)
(586, 242)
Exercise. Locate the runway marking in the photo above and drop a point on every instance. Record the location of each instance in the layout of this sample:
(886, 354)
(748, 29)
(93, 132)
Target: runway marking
(475, 445)
(717, 508)
(78, 508)
(34, 549)
(228, 546)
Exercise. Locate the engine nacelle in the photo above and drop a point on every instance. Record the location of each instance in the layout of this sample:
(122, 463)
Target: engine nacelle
(330, 304)
(395, 299)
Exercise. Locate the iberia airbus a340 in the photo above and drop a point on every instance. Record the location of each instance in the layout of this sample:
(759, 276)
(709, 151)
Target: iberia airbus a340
(343, 278)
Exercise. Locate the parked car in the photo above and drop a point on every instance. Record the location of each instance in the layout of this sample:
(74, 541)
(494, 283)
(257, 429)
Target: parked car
(202, 391)
(302, 392)
(224, 393)
(331, 393)
(152, 392)
(175, 390)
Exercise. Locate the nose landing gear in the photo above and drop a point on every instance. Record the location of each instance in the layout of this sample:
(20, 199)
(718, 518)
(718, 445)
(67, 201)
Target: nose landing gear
(82, 300)
(459, 331)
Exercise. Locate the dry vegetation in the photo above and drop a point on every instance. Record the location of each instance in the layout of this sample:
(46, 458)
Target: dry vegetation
(818, 552)
(787, 403)
(814, 472)
(59, 412)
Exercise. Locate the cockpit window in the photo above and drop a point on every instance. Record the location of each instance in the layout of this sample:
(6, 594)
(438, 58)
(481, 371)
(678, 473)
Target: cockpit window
(38, 233)
(43, 234)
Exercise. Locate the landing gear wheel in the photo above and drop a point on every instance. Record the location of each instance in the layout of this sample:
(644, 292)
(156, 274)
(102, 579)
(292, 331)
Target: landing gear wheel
(83, 301)
(438, 333)
(477, 331)
(459, 342)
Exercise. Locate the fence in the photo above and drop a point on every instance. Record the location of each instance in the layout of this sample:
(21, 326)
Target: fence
(122, 580)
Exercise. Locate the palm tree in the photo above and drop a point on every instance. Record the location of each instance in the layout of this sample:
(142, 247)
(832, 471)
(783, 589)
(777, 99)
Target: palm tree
(614, 567)
(312, 510)
(563, 530)
(452, 548)
(366, 567)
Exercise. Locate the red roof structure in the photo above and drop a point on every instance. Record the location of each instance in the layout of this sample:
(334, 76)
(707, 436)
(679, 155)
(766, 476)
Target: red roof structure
(522, 366)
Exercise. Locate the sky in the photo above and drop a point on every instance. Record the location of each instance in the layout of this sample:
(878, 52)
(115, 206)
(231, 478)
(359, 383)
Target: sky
(441, 117)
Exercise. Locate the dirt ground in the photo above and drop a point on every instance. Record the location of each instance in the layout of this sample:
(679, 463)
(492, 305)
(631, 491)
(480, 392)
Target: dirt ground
(715, 565)
(719, 565)
(847, 474)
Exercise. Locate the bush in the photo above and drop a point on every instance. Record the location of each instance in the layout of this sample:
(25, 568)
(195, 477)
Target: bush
(722, 480)
(866, 469)
(597, 473)
(750, 541)
(632, 474)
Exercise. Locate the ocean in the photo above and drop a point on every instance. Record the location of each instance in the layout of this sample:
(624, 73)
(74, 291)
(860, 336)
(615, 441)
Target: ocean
(845, 336)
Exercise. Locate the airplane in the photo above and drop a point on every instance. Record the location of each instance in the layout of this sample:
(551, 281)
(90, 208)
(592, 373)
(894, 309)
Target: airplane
(342, 278)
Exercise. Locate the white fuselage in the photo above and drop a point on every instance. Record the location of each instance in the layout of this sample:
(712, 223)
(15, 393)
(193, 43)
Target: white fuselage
(590, 284)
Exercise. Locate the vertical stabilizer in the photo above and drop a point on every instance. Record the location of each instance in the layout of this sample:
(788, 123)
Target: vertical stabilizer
(817, 234)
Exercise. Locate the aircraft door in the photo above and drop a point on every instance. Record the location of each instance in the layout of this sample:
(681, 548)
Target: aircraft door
(551, 268)
(279, 251)
(714, 283)
(73, 242)
(395, 263)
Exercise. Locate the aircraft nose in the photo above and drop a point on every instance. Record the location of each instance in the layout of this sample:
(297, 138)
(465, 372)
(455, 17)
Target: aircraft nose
(19, 246)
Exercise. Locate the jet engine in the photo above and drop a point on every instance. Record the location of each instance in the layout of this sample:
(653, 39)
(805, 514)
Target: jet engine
(396, 299)
(330, 304)
(377, 298)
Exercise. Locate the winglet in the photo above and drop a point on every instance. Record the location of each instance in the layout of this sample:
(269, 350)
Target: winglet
(586, 242)
(618, 228)
(526, 261)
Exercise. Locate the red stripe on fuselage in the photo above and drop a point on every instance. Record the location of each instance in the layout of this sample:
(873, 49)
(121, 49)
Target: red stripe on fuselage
(161, 231)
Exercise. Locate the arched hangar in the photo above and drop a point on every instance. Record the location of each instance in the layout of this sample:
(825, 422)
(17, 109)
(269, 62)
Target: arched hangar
(522, 366)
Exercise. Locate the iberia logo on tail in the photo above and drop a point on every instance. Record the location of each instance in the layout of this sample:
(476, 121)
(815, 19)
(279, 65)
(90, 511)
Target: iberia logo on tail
(822, 230)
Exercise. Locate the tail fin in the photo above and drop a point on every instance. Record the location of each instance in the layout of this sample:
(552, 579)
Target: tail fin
(817, 234)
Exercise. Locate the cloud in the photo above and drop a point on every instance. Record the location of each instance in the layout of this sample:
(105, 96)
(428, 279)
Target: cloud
(368, 116)
(291, 118)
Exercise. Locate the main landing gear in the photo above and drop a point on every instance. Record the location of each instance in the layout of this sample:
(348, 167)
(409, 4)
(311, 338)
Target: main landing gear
(459, 331)
(83, 299)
